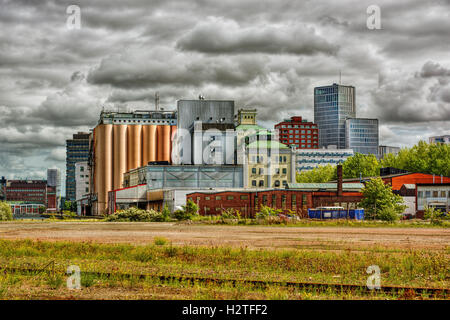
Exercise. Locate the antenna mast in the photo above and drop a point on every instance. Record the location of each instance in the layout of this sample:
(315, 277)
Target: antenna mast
(157, 101)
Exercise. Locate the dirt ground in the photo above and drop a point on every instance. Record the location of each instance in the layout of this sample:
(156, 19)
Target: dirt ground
(331, 238)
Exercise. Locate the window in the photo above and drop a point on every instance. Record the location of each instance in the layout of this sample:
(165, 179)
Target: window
(277, 170)
(435, 194)
(218, 198)
(264, 200)
(253, 170)
(230, 198)
(443, 194)
(244, 197)
(254, 183)
(420, 194)
(261, 170)
(284, 170)
(207, 198)
(261, 183)
(82, 169)
(283, 201)
(284, 183)
(87, 190)
(294, 201)
(274, 200)
(277, 183)
(198, 199)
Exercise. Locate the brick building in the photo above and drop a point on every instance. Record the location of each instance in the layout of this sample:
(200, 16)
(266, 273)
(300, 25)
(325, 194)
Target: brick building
(298, 132)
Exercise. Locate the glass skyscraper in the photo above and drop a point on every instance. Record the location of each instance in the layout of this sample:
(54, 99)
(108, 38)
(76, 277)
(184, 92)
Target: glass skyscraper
(77, 150)
(362, 135)
(332, 106)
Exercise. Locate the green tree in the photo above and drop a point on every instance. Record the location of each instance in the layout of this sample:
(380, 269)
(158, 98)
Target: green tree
(423, 157)
(361, 165)
(5, 211)
(380, 202)
(317, 175)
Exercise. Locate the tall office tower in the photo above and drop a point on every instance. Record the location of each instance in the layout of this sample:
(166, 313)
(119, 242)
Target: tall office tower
(362, 135)
(123, 141)
(208, 112)
(77, 149)
(332, 106)
(54, 181)
(298, 132)
(440, 139)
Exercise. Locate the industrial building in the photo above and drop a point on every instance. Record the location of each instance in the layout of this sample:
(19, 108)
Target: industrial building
(77, 149)
(153, 186)
(218, 112)
(427, 189)
(298, 132)
(332, 106)
(123, 141)
(296, 198)
(308, 159)
(27, 196)
(361, 135)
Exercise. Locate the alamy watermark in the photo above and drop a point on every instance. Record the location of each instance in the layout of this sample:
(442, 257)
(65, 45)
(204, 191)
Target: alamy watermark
(73, 21)
(373, 21)
(374, 280)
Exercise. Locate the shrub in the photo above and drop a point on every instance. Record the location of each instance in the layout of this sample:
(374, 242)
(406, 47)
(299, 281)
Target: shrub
(135, 214)
(160, 241)
(188, 212)
(388, 214)
(266, 212)
(5, 211)
(435, 216)
(230, 213)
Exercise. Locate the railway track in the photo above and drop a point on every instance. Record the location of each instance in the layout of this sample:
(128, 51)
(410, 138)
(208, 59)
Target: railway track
(408, 292)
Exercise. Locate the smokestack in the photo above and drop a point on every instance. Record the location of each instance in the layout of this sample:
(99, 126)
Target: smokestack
(339, 180)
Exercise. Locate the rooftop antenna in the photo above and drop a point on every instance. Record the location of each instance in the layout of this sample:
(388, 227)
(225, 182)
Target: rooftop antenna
(340, 76)
(157, 101)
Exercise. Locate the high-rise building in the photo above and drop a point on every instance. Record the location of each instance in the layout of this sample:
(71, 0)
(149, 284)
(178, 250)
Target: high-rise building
(332, 106)
(362, 135)
(123, 141)
(298, 132)
(440, 139)
(54, 181)
(77, 149)
(384, 150)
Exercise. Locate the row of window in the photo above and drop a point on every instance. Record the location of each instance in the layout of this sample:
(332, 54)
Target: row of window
(264, 199)
(260, 183)
(261, 170)
(260, 159)
(297, 126)
(433, 194)
(145, 121)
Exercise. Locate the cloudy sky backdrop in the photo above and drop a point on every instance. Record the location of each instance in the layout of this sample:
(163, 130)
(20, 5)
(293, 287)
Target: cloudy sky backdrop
(264, 54)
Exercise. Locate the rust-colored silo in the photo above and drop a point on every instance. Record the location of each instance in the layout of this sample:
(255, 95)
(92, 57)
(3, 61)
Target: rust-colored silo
(166, 143)
(107, 164)
(148, 144)
(134, 149)
(159, 143)
(120, 154)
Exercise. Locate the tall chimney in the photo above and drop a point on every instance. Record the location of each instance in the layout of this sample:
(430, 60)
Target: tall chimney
(339, 180)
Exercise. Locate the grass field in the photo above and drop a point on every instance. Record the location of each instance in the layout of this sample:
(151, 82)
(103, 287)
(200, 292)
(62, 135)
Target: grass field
(111, 271)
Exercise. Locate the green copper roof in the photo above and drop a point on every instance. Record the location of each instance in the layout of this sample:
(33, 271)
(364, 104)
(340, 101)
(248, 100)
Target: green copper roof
(250, 126)
(329, 185)
(267, 144)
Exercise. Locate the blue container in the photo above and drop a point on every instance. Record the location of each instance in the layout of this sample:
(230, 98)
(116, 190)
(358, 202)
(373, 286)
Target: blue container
(336, 213)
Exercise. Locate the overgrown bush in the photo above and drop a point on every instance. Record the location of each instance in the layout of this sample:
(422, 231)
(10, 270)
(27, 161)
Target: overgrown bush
(388, 214)
(266, 212)
(230, 213)
(435, 216)
(189, 211)
(5, 211)
(135, 214)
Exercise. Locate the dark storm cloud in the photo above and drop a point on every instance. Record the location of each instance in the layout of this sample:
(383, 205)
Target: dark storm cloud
(219, 36)
(264, 54)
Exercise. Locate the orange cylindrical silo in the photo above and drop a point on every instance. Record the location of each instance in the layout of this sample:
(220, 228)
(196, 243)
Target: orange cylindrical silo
(148, 144)
(166, 143)
(107, 164)
(120, 154)
(159, 143)
(134, 149)
(97, 160)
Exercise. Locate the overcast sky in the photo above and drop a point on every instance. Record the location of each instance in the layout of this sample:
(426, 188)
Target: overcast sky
(270, 55)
